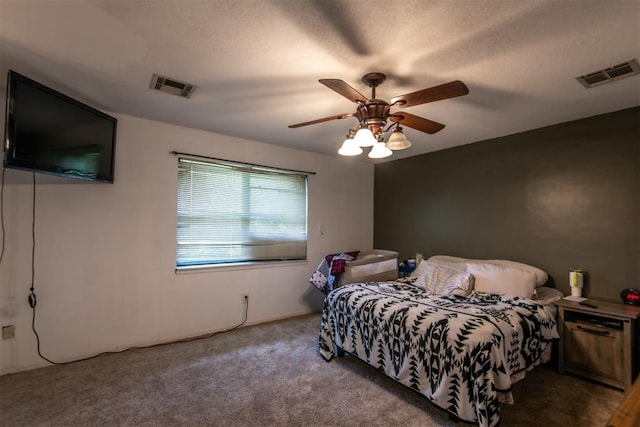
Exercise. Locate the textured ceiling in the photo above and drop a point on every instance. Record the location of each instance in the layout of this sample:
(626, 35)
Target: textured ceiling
(256, 64)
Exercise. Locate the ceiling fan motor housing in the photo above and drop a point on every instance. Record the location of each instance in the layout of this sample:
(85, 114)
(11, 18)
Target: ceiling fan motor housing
(373, 114)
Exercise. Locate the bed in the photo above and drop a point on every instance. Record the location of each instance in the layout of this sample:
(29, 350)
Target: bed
(458, 331)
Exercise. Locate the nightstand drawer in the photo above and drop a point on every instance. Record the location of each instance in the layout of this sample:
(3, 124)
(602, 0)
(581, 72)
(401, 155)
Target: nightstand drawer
(595, 350)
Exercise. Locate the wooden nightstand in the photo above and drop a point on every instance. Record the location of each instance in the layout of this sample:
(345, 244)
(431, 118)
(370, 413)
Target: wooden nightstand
(599, 342)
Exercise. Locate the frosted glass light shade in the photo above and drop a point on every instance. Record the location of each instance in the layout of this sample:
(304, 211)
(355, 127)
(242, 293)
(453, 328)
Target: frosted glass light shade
(379, 151)
(364, 138)
(349, 148)
(398, 141)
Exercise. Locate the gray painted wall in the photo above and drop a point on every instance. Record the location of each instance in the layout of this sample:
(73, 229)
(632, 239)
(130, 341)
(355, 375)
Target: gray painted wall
(560, 197)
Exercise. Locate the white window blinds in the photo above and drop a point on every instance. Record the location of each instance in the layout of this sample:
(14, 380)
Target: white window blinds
(230, 213)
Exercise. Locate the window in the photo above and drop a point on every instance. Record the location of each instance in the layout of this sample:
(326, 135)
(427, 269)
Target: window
(230, 213)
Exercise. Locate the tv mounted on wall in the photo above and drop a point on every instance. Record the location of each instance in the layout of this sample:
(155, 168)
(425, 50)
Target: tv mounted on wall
(49, 132)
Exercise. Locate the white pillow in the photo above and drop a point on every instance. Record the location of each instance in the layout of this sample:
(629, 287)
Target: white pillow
(452, 261)
(447, 258)
(443, 280)
(420, 268)
(541, 275)
(507, 281)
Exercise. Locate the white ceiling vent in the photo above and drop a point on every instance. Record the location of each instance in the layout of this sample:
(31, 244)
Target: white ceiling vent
(607, 75)
(171, 86)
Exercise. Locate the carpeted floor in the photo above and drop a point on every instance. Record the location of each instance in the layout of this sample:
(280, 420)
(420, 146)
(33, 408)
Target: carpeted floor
(265, 375)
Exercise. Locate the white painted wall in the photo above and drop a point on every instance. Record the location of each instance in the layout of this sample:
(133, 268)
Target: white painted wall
(105, 253)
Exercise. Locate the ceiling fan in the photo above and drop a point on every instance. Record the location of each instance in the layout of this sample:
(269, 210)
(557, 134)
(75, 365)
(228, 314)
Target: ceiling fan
(373, 114)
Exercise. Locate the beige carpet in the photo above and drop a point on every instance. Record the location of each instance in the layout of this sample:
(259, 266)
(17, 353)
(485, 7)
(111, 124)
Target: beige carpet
(265, 375)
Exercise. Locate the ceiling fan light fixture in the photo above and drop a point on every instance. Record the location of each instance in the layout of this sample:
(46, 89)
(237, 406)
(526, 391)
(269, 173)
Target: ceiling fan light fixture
(349, 148)
(398, 140)
(379, 151)
(364, 137)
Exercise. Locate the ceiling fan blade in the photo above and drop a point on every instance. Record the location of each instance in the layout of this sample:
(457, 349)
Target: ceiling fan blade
(436, 93)
(416, 122)
(325, 119)
(344, 89)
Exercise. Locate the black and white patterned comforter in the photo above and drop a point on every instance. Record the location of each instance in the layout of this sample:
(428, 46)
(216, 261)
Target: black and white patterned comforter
(462, 353)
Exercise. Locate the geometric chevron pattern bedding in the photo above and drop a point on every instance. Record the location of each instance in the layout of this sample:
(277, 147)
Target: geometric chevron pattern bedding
(462, 353)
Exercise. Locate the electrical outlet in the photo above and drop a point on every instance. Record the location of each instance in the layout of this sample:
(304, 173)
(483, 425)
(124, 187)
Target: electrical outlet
(8, 332)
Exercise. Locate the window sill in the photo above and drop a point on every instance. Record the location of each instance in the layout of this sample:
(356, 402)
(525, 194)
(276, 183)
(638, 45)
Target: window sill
(238, 266)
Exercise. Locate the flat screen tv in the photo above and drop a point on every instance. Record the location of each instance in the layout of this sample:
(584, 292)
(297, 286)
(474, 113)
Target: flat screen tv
(49, 132)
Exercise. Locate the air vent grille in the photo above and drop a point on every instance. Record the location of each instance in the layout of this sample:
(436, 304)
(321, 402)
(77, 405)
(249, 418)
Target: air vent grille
(171, 86)
(610, 74)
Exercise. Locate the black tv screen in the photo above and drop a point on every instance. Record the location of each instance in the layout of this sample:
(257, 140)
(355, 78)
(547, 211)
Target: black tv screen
(49, 132)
